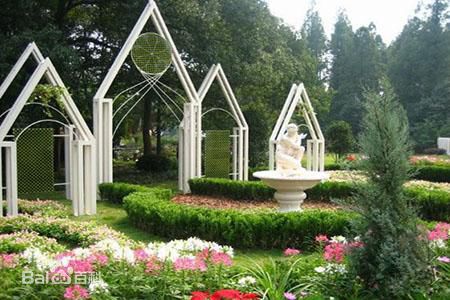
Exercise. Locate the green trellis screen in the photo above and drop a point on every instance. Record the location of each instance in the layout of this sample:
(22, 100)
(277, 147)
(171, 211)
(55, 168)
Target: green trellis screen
(35, 160)
(217, 153)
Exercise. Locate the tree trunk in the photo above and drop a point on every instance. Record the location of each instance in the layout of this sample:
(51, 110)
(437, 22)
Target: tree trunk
(158, 131)
(147, 126)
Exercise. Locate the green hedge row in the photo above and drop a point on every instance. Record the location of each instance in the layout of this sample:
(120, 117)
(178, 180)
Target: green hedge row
(117, 191)
(262, 230)
(435, 173)
(431, 204)
(237, 190)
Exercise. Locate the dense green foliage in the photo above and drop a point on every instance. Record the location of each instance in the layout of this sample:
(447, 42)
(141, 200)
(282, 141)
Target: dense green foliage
(232, 227)
(430, 204)
(418, 69)
(155, 163)
(339, 138)
(237, 190)
(392, 261)
(435, 173)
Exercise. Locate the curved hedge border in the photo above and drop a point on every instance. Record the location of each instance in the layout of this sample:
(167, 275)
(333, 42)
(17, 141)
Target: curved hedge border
(263, 230)
(431, 204)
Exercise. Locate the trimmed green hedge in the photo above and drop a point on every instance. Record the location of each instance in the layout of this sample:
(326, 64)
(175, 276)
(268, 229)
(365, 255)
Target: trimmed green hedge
(435, 173)
(431, 204)
(237, 190)
(262, 230)
(117, 191)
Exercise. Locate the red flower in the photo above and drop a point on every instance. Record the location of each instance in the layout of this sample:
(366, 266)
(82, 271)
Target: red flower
(199, 296)
(351, 157)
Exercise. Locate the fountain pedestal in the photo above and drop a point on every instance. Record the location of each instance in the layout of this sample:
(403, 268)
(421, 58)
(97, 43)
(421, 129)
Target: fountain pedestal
(290, 190)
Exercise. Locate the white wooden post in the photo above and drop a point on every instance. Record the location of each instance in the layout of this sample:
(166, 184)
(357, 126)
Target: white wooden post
(11, 177)
(68, 132)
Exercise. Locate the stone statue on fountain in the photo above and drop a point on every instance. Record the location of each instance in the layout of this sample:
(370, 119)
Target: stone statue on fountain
(289, 153)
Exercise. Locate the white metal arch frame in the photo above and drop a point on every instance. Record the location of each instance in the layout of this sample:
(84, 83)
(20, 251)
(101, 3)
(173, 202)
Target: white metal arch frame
(315, 150)
(190, 127)
(80, 146)
(241, 132)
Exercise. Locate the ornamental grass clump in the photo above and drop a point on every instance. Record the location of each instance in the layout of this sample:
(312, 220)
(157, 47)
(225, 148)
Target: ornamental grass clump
(392, 262)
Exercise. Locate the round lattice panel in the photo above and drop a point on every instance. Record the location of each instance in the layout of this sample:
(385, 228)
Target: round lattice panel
(151, 54)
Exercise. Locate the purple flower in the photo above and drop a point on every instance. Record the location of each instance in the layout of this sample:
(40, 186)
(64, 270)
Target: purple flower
(289, 296)
(443, 259)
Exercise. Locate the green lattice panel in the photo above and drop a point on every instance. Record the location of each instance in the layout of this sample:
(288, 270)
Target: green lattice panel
(35, 160)
(217, 153)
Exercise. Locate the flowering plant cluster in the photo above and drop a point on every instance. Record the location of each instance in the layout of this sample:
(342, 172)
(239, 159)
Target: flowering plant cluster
(334, 249)
(62, 229)
(43, 208)
(93, 272)
(19, 241)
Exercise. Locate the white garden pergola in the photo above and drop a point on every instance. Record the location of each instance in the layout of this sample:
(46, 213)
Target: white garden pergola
(190, 128)
(241, 132)
(315, 148)
(80, 158)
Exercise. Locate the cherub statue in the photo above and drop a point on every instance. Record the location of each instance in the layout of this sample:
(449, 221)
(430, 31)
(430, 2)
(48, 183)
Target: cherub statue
(290, 152)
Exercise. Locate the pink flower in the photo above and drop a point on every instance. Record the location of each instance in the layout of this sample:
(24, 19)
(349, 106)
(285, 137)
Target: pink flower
(289, 296)
(7, 260)
(442, 226)
(81, 266)
(356, 244)
(221, 258)
(443, 259)
(98, 258)
(64, 254)
(140, 254)
(321, 238)
(192, 264)
(152, 265)
(76, 292)
(291, 252)
(334, 251)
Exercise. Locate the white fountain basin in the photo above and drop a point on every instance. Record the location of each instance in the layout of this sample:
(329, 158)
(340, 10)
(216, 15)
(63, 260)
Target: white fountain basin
(290, 189)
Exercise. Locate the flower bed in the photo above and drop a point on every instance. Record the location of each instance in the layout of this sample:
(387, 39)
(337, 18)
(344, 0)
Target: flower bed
(110, 270)
(62, 229)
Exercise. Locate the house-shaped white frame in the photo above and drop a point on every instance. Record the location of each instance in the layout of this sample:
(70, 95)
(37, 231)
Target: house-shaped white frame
(315, 150)
(190, 127)
(79, 141)
(240, 133)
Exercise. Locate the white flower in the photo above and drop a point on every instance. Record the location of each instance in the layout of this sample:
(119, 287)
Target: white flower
(319, 269)
(107, 245)
(81, 252)
(438, 243)
(98, 286)
(335, 268)
(338, 239)
(246, 281)
(42, 260)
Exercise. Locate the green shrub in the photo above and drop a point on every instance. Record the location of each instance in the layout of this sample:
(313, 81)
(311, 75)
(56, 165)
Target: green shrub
(435, 172)
(237, 190)
(239, 229)
(155, 163)
(115, 192)
(431, 204)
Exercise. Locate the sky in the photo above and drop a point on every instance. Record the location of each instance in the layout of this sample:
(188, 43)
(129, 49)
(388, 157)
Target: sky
(389, 16)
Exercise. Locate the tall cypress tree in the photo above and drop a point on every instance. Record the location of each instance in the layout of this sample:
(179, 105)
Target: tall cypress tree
(393, 259)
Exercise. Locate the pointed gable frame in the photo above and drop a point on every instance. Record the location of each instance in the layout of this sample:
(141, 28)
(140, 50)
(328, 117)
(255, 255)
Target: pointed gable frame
(241, 133)
(190, 136)
(81, 146)
(298, 98)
